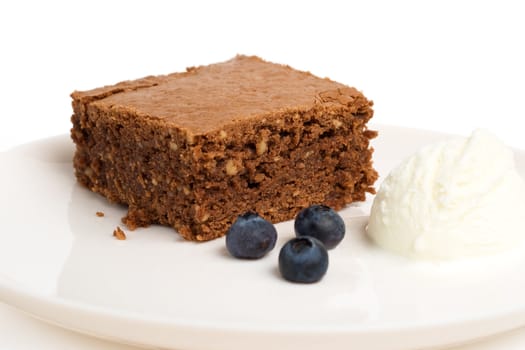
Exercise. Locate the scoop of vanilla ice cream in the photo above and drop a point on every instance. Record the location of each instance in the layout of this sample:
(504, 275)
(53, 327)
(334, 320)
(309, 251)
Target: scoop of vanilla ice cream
(453, 199)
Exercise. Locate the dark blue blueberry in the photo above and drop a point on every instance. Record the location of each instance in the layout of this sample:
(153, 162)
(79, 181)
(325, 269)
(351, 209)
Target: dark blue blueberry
(250, 237)
(303, 259)
(321, 222)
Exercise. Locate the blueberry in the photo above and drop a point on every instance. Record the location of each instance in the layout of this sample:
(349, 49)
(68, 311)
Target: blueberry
(250, 237)
(321, 222)
(303, 259)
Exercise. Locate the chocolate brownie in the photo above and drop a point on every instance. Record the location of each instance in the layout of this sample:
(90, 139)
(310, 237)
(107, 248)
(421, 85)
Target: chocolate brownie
(193, 150)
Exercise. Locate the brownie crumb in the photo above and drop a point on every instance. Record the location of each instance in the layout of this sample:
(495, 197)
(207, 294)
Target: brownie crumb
(119, 234)
(99, 214)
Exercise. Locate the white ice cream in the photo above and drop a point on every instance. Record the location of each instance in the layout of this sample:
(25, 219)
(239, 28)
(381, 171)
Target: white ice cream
(453, 199)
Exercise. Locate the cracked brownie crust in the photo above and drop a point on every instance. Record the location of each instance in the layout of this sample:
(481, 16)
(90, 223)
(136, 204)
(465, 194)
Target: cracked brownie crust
(193, 150)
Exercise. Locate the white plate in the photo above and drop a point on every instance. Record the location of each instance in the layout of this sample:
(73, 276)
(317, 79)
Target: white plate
(59, 262)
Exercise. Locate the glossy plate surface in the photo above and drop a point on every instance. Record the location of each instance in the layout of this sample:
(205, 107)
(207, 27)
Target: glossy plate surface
(60, 263)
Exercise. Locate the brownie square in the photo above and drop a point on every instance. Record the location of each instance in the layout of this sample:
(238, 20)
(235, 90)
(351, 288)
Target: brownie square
(194, 150)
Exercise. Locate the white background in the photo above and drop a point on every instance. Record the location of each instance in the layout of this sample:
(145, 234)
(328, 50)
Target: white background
(447, 65)
(444, 65)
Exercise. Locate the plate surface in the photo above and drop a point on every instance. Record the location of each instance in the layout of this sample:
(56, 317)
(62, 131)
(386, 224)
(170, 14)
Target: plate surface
(60, 263)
